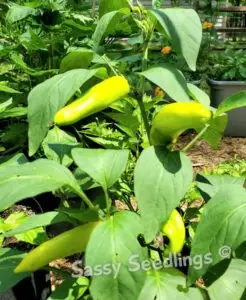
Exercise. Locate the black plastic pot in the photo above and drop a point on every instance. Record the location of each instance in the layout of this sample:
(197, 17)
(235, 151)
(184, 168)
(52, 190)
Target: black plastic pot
(220, 90)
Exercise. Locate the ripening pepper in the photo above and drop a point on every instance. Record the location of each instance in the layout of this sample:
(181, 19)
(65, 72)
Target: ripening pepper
(174, 229)
(65, 244)
(96, 99)
(175, 118)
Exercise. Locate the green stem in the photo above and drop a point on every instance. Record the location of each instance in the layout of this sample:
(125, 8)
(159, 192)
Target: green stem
(141, 101)
(196, 138)
(84, 197)
(108, 201)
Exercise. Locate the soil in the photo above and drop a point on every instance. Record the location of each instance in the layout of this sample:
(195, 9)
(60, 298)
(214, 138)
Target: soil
(204, 157)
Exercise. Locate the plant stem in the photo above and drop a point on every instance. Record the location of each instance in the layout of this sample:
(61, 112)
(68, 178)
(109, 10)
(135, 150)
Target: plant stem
(108, 201)
(83, 196)
(141, 100)
(196, 138)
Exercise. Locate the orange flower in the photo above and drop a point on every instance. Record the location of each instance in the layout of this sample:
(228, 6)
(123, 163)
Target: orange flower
(207, 25)
(166, 50)
(159, 92)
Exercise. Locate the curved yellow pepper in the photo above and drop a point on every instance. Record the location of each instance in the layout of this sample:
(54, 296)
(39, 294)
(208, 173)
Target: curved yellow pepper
(175, 118)
(96, 99)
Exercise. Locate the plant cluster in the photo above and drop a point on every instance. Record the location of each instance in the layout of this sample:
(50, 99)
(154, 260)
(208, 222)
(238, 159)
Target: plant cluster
(90, 118)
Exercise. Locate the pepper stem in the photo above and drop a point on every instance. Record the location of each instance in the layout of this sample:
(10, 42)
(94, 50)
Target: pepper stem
(196, 138)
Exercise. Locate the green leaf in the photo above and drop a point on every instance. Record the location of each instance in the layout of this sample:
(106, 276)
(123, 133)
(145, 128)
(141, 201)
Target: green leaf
(198, 95)
(104, 166)
(6, 89)
(88, 215)
(232, 102)
(105, 26)
(211, 184)
(17, 59)
(231, 284)
(127, 122)
(9, 259)
(221, 230)
(70, 289)
(170, 80)
(17, 159)
(35, 221)
(18, 12)
(106, 6)
(80, 59)
(215, 131)
(31, 179)
(114, 244)
(183, 28)
(161, 179)
(58, 145)
(168, 284)
(13, 112)
(47, 98)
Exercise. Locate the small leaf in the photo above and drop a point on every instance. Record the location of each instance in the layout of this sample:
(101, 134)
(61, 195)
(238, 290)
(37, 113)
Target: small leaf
(58, 145)
(170, 80)
(106, 6)
(215, 131)
(70, 289)
(232, 102)
(161, 179)
(104, 166)
(80, 59)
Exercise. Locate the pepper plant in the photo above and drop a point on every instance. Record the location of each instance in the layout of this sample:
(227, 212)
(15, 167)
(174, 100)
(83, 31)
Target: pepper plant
(154, 248)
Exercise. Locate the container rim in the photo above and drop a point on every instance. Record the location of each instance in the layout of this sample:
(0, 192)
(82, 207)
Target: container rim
(226, 82)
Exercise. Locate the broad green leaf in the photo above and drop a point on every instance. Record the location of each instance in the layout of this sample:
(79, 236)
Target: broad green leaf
(198, 95)
(35, 221)
(232, 102)
(168, 284)
(221, 230)
(9, 259)
(215, 131)
(170, 80)
(58, 145)
(80, 59)
(31, 179)
(231, 284)
(70, 289)
(105, 26)
(114, 246)
(18, 12)
(47, 98)
(211, 184)
(161, 179)
(104, 166)
(183, 27)
(106, 6)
